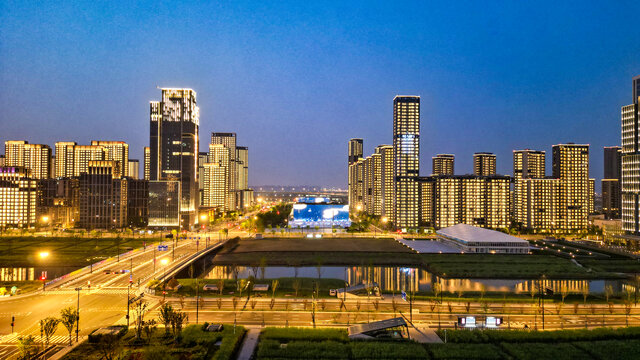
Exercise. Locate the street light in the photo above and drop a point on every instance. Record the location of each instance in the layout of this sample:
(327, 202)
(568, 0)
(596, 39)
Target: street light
(78, 313)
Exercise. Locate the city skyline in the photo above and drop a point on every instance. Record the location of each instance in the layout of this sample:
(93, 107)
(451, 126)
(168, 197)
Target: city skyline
(238, 92)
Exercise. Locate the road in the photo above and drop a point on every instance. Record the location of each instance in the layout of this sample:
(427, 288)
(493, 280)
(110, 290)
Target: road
(102, 303)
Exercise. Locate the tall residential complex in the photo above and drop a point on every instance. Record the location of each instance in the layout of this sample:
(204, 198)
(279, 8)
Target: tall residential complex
(17, 197)
(484, 164)
(571, 168)
(355, 150)
(64, 159)
(116, 151)
(406, 149)
(82, 154)
(528, 164)
(631, 162)
(34, 157)
(388, 183)
(173, 150)
(611, 182)
(443, 164)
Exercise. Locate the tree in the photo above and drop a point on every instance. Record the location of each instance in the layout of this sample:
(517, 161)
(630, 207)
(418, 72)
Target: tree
(49, 326)
(140, 310)
(165, 315)
(319, 262)
(149, 327)
(27, 347)
(274, 286)
(263, 267)
(585, 293)
(296, 286)
(178, 319)
(68, 318)
(608, 292)
(241, 285)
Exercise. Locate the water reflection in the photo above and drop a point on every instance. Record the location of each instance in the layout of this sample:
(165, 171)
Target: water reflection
(395, 279)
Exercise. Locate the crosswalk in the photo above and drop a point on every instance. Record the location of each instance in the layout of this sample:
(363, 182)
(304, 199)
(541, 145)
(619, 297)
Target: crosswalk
(55, 339)
(84, 291)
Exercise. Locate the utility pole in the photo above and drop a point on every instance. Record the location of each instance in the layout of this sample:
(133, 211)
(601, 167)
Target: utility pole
(78, 314)
(197, 301)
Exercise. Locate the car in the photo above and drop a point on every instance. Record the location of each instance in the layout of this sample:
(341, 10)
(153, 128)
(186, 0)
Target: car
(210, 287)
(107, 272)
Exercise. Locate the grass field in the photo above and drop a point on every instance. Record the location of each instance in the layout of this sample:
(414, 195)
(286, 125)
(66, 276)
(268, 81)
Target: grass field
(286, 287)
(356, 251)
(67, 251)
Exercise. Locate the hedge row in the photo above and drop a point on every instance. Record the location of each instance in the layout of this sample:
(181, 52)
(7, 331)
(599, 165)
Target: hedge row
(293, 333)
(527, 336)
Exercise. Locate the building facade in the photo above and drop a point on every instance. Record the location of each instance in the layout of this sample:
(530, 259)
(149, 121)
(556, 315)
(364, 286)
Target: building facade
(102, 196)
(18, 195)
(173, 150)
(484, 164)
(611, 182)
(406, 147)
(443, 164)
(571, 168)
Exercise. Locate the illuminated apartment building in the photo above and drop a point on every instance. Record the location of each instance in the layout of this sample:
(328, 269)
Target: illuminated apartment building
(173, 150)
(58, 200)
(484, 164)
(229, 141)
(373, 184)
(354, 154)
(147, 160)
(571, 168)
(64, 159)
(592, 195)
(83, 154)
(116, 151)
(18, 194)
(468, 199)
(14, 152)
(238, 171)
(611, 182)
(537, 204)
(387, 163)
(527, 164)
(242, 163)
(406, 145)
(357, 187)
(443, 164)
(35, 157)
(215, 186)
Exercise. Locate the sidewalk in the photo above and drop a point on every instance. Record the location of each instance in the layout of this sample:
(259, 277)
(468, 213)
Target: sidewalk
(249, 344)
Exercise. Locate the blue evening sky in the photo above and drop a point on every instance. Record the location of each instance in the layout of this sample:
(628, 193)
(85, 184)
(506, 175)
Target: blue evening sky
(296, 79)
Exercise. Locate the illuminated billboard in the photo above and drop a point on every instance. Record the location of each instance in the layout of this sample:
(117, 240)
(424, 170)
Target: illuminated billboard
(320, 215)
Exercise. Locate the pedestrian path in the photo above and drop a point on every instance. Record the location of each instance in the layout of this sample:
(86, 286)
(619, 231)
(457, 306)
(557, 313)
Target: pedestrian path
(55, 339)
(249, 344)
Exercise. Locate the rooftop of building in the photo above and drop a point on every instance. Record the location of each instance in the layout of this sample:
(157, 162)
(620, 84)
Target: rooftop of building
(468, 233)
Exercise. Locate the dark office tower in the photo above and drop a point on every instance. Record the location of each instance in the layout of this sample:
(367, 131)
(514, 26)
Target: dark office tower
(406, 149)
(443, 164)
(355, 150)
(611, 195)
(631, 162)
(174, 147)
(484, 164)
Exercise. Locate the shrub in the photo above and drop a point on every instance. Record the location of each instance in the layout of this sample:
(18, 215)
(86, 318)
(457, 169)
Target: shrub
(95, 338)
(526, 336)
(464, 351)
(230, 342)
(464, 336)
(387, 350)
(612, 349)
(270, 349)
(289, 334)
(535, 351)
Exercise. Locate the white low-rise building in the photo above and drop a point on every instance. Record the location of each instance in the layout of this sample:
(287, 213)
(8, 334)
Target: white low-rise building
(472, 239)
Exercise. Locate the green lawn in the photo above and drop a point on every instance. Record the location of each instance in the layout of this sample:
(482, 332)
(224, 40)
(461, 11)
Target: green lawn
(285, 287)
(67, 251)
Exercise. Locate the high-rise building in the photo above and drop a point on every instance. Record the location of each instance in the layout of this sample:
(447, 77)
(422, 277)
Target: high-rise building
(611, 182)
(484, 164)
(137, 202)
(116, 151)
(35, 157)
(571, 167)
(103, 196)
(147, 165)
(242, 162)
(133, 170)
(14, 152)
(406, 145)
(355, 150)
(217, 191)
(229, 141)
(174, 147)
(447, 200)
(373, 184)
(164, 204)
(83, 154)
(443, 164)
(537, 203)
(528, 164)
(58, 200)
(18, 194)
(64, 159)
(631, 162)
(592, 196)
(388, 191)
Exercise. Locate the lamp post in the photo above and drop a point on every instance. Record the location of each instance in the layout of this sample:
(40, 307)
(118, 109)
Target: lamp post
(78, 314)
(43, 255)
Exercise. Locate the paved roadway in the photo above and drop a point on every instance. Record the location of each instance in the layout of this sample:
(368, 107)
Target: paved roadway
(104, 303)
